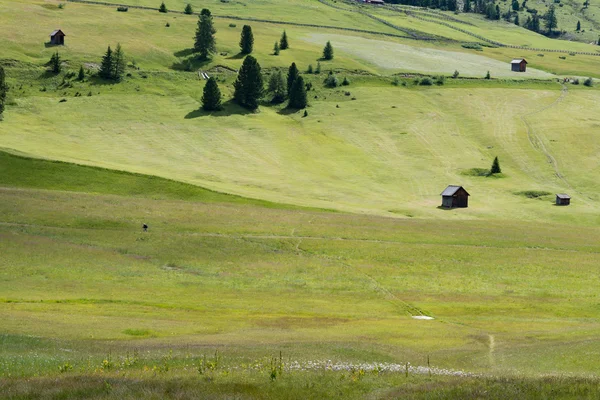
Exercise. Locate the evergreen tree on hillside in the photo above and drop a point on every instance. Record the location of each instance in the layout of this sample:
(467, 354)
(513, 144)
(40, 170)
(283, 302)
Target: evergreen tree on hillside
(293, 73)
(297, 94)
(248, 88)
(162, 8)
(497, 14)
(3, 90)
(578, 26)
(55, 63)
(81, 74)
(211, 97)
(467, 6)
(283, 42)
(515, 5)
(277, 87)
(188, 9)
(106, 65)
(550, 19)
(495, 167)
(205, 42)
(328, 51)
(246, 40)
(276, 48)
(119, 65)
(517, 19)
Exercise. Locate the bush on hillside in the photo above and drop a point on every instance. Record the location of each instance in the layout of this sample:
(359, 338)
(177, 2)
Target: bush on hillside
(589, 82)
(122, 9)
(427, 81)
(331, 81)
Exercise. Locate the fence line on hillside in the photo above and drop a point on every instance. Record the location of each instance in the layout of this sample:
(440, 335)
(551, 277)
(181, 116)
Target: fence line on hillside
(409, 13)
(233, 17)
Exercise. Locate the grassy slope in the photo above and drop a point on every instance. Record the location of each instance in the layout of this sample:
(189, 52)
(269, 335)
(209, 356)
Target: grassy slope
(337, 286)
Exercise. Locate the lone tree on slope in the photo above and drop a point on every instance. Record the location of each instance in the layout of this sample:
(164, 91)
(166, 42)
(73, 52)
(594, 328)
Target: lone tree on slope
(211, 97)
(247, 40)
(578, 26)
(328, 51)
(283, 42)
(162, 8)
(297, 95)
(293, 73)
(551, 21)
(188, 9)
(3, 90)
(248, 87)
(495, 167)
(205, 43)
(277, 87)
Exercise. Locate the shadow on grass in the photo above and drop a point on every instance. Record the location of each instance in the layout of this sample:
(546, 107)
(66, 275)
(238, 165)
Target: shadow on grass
(95, 80)
(229, 108)
(49, 44)
(184, 53)
(191, 63)
(48, 74)
(289, 111)
(238, 56)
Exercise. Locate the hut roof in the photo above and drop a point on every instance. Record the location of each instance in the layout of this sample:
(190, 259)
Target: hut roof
(518, 61)
(563, 196)
(56, 31)
(452, 189)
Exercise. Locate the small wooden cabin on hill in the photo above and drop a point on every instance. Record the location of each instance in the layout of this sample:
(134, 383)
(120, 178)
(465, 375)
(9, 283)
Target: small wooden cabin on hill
(563, 199)
(455, 197)
(518, 65)
(57, 37)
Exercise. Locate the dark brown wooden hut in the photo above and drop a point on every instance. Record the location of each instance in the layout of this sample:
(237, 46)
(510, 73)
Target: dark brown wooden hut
(518, 65)
(455, 197)
(57, 37)
(563, 199)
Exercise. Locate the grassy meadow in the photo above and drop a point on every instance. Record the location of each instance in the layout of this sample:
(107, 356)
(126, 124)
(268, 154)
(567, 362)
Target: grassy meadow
(288, 254)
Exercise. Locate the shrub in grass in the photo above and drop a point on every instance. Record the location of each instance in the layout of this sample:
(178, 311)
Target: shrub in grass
(331, 81)
(472, 46)
(395, 81)
(427, 81)
(589, 82)
(310, 70)
(122, 9)
(562, 57)
(440, 80)
(455, 74)
(488, 76)
(232, 25)
(575, 81)
(318, 69)
(345, 82)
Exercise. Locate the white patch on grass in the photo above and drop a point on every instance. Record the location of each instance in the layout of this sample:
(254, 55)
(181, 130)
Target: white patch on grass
(403, 58)
(422, 317)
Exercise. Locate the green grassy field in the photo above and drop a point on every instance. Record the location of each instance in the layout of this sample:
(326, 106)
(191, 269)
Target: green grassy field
(299, 248)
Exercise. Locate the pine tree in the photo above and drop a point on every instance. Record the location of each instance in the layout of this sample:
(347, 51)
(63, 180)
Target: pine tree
(550, 19)
(578, 26)
(495, 167)
(297, 94)
(118, 64)
(249, 84)
(81, 74)
(497, 13)
(318, 69)
(55, 63)
(467, 6)
(283, 42)
(488, 76)
(598, 43)
(328, 51)
(276, 48)
(293, 73)
(515, 5)
(246, 40)
(310, 69)
(188, 9)
(211, 97)
(3, 90)
(517, 19)
(106, 65)
(205, 43)
(162, 8)
(277, 87)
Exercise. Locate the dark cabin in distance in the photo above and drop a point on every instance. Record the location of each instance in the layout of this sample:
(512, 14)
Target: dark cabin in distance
(518, 65)
(455, 197)
(57, 37)
(563, 199)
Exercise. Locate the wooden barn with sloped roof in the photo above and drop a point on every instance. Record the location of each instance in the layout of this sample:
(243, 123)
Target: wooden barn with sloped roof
(455, 197)
(518, 65)
(57, 37)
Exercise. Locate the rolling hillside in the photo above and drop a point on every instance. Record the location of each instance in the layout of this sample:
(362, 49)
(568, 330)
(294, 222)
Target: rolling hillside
(289, 251)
